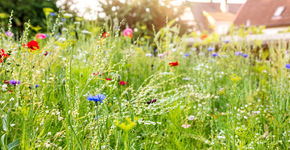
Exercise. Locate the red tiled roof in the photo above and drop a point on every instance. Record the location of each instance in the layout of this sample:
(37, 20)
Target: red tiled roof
(261, 12)
(215, 7)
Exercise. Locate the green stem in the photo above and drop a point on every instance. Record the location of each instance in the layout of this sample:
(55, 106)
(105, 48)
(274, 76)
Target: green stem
(126, 140)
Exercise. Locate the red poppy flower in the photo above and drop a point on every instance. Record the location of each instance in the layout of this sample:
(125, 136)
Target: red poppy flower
(98, 73)
(204, 36)
(106, 35)
(108, 79)
(6, 82)
(123, 83)
(33, 45)
(3, 55)
(174, 64)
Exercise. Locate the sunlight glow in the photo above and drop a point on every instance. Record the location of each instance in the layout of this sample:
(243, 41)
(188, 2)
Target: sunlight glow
(91, 10)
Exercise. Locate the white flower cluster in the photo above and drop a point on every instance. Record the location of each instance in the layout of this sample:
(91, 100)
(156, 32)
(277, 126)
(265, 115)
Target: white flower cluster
(148, 122)
(4, 87)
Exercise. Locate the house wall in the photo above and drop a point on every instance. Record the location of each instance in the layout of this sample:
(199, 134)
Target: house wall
(266, 38)
(222, 27)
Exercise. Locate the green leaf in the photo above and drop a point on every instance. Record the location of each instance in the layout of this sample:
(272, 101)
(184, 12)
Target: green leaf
(265, 54)
(171, 23)
(4, 15)
(13, 144)
(4, 124)
(3, 139)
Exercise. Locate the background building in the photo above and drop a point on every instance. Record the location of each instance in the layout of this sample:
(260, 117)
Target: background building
(214, 16)
(274, 14)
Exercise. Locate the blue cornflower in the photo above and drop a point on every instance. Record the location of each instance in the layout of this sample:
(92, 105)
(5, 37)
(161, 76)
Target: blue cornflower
(214, 54)
(63, 19)
(52, 14)
(238, 53)
(14, 82)
(186, 55)
(288, 66)
(36, 86)
(227, 41)
(97, 98)
(155, 50)
(211, 49)
(245, 55)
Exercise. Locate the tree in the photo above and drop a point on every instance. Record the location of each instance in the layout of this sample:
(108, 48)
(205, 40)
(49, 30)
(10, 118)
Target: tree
(25, 10)
(151, 13)
(134, 13)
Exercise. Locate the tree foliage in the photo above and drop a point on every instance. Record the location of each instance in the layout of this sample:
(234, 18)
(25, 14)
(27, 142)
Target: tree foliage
(155, 14)
(25, 10)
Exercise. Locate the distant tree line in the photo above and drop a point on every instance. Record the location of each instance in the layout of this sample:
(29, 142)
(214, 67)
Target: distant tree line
(149, 15)
(154, 14)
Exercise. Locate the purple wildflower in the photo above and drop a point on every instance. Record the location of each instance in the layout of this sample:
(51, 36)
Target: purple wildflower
(45, 53)
(238, 53)
(52, 14)
(10, 34)
(152, 101)
(14, 82)
(245, 55)
(214, 54)
(288, 66)
(149, 55)
(211, 49)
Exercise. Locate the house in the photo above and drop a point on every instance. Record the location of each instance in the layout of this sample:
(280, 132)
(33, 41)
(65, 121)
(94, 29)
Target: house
(273, 14)
(213, 16)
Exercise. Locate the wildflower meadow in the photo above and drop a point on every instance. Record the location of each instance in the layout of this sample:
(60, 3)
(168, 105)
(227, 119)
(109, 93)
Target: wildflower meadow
(81, 85)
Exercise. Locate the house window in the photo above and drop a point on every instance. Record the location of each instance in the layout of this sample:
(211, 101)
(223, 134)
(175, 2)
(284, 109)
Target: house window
(248, 23)
(279, 11)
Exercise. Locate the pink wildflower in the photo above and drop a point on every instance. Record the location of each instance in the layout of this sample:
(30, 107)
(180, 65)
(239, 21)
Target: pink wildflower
(185, 126)
(128, 32)
(40, 36)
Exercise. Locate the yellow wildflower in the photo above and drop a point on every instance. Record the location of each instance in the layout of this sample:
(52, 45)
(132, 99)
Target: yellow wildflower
(47, 11)
(126, 127)
(222, 91)
(235, 78)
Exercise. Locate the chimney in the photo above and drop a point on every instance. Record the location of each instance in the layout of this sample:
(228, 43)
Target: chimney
(224, 6)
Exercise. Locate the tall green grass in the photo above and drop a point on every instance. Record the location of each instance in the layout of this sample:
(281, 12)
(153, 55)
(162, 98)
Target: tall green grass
(225, 102)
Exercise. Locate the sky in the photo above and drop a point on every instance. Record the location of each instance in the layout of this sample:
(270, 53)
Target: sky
(95, 11)
(229, 1)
